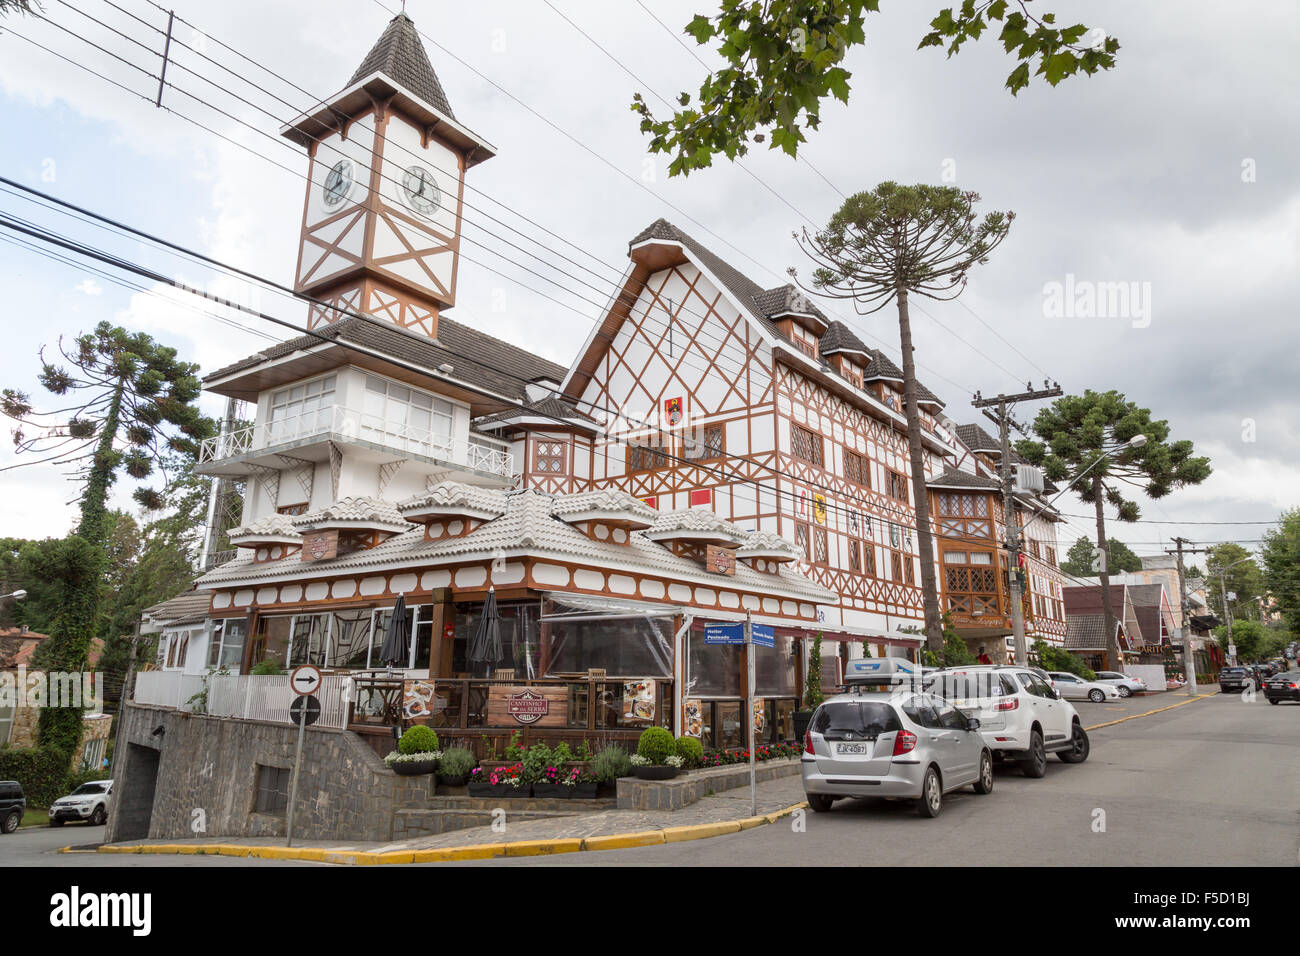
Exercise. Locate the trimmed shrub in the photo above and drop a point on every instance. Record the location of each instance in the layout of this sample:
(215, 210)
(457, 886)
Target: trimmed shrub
(656, 745)
(691, 750)
(417, 740)
(536, 759)
(610, 763)
(456, 762)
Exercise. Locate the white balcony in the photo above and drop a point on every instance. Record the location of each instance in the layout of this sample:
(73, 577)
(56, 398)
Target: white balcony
(306, 437)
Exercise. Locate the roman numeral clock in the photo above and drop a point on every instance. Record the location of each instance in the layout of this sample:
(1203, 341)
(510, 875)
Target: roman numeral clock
(382, 217)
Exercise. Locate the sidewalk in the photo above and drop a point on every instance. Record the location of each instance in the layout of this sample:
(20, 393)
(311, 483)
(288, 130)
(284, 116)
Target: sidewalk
(726, 812)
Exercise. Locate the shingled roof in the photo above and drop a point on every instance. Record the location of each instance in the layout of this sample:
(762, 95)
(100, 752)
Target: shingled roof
(961, 479)
(400, 56)
(476, 358)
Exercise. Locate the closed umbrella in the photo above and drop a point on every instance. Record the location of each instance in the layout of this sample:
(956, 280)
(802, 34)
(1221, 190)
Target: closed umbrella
(396, 649)
(485, 647)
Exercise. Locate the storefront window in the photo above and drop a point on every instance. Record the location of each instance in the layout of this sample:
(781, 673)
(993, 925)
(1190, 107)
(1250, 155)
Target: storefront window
(350, 639)
(520, 640)
(272, 640)
(310, 638)
(774, 669)
(227, 647)
(624, 646)
(713, 670)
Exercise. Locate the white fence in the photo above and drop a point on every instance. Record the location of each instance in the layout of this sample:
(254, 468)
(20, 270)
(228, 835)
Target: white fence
(246, 696)
(1153, 675)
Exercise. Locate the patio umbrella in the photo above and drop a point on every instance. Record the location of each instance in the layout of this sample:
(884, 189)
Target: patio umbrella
(396, 649)
(485, 646)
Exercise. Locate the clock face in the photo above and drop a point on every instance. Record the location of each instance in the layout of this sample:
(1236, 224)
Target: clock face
(338, 183)
(421, 190)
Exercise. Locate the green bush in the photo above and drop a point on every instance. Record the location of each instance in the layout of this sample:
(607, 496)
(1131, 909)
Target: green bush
(610, 763)
(42, 771)
(536, 759)
(691, 750)
(561, 754)
(1059, 659)
(418, 740)
(514, 750)
(656, 745)
(456, 762)
(268, 667)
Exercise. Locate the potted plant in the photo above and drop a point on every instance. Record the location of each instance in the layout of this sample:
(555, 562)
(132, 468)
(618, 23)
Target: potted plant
(537, 760)
(812, 689)
(610, 763)
(656, 755)
(690, 750)
(583, 784)
(553, 784)
(498, 782)
(455, 766)
(417, 752)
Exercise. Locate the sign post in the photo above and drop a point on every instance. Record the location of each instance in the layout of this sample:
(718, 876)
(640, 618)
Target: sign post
(304, 681)
(753, 695)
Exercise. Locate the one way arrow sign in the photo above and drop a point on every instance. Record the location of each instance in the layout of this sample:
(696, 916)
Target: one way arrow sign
(305, 680)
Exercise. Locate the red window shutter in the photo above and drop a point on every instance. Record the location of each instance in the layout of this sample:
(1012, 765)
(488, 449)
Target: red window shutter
(701, 496)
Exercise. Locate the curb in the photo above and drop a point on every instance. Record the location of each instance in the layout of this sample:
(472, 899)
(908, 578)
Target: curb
(480, 851)
(1181, 703)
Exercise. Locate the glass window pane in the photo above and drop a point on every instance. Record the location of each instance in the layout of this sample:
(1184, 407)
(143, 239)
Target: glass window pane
(713, 669)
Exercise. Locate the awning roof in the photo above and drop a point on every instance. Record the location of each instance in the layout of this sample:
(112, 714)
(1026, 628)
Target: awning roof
(590, 608)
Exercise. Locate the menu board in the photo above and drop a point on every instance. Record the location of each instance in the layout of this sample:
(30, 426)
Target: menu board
(694, 726)
(760, 718)
(417, 699)
(639, 700)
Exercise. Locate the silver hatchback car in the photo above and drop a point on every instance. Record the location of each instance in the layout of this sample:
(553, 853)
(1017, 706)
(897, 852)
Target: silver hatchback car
(901, 744)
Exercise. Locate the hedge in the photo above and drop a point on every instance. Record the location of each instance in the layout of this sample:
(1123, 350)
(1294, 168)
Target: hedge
(43, 773)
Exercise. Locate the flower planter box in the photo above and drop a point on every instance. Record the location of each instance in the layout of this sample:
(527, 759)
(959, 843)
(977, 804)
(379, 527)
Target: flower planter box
(498, 790)
(411, 768)
(655, 772)
(452, 781)
(583, 791)
(551, 791)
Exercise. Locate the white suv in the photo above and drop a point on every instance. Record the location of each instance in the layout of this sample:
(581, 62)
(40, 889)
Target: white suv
(1022, 718)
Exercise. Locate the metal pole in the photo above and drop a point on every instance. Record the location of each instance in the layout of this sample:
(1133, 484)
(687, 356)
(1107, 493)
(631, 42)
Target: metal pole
(1012, 522)
(749, 687)
(1189, 662)
(297, 764)
(1227, 617)
(167, 49)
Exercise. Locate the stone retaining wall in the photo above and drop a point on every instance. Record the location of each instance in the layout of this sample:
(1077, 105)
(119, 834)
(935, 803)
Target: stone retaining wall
(634, 794)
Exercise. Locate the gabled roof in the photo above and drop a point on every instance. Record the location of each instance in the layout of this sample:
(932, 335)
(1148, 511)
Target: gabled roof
(840, 338)
(951, 478)
(977, 439)
(549, 410)
(399, 55)
(189, 607)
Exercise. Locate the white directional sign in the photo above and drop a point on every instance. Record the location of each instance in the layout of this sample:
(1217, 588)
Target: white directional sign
(305, 680)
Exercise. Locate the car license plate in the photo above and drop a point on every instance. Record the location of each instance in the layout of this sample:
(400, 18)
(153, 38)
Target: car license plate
(853, 748)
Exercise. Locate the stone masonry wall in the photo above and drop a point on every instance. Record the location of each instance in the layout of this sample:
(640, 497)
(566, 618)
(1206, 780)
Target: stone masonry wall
(206, 763)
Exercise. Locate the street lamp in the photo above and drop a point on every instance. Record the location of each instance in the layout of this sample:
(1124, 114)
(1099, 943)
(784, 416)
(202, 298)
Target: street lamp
(15, 595)
(1017, 614)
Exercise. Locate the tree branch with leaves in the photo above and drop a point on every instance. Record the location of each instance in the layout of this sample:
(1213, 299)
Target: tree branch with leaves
(785, 58)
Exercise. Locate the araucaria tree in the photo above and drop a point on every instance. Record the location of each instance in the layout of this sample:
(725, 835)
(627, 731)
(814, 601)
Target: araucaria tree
(132, 400)
(883, 246)
(1079, 440)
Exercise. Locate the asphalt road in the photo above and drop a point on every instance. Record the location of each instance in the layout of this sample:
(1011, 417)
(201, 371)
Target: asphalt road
(1215, 782)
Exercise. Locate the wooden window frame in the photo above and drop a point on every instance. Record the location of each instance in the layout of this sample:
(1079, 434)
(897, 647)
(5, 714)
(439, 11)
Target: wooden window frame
(563, 456)
(896, 480)
(816, 451)
(861, 465)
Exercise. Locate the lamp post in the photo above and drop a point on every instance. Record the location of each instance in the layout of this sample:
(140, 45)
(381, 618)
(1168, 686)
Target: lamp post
(1017, 612)
(14, 595)
(1223, 593)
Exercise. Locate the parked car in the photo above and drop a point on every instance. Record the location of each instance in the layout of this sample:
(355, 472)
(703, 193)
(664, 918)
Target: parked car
(1022, 718)
(1234, 679)
(1284, 686)
(89, 802)
(906, 744)
(1074, 687)
(12, 804)
(1126, 684)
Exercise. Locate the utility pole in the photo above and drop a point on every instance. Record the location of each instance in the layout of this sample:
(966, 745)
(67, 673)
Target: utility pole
(221, 488)
(1189, 663)
(1012, 519)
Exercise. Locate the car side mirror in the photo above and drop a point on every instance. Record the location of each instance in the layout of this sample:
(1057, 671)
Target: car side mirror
(972, 723)
(1056, 694)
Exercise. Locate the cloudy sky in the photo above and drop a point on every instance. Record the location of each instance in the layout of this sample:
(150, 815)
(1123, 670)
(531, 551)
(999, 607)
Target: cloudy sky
(1176, 175)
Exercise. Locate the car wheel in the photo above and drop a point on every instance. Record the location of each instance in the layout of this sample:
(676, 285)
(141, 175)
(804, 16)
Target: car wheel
(931, 801)
(1096, 696)
(984, 784)
(1274, 700)
(97, 817)
(820, 802)
(56, 822)
(1124, 691)
(10, 823)
(1035, 763)
(1080, 747)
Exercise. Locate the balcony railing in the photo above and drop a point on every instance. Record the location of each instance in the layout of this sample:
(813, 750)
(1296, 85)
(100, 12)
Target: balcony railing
(245, 696)
(350, 423)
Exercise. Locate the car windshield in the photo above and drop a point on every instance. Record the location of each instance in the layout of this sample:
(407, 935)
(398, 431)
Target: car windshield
(1233, 670)
(869, 718)
(969, 686)
(88, 788)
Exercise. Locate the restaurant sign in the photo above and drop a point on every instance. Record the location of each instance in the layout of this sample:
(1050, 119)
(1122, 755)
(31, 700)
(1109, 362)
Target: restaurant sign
(320, 545)
(527, 707)
(720, 560)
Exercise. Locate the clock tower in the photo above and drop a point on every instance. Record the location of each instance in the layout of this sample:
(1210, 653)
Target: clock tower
(382, 220)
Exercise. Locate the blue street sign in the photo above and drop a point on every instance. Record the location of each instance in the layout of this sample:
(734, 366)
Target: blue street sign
(764, 635)
(724, 634)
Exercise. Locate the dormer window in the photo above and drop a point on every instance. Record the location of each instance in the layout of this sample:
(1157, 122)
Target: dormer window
(853, 374)
(804, 340)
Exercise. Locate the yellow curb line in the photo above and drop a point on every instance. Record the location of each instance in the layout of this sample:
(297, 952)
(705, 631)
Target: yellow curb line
(480, 851)
(1181, 703)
